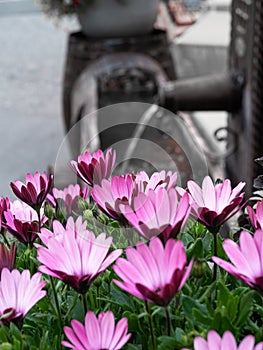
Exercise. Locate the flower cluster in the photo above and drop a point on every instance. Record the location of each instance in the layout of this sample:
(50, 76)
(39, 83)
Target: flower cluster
(94, 290)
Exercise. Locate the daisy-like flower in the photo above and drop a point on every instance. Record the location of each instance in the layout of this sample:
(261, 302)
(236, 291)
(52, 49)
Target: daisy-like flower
(246, 259)
(158, 213)
(7, 257)
(18, 294)
(97, 333)
(227, 342)
(59, 230)
(34, 191)
(256, 217)
(69, 197)
(76, 256)
(213, 205)
(4, 206)
(157, 179)
(121, 190)
(22, 222)
(155, 273)
(93, 168)
(111, 193)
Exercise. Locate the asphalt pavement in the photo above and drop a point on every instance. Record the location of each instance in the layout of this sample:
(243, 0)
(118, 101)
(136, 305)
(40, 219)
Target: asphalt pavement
(31, 71)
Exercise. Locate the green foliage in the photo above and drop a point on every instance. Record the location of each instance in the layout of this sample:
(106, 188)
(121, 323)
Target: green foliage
(202, 304)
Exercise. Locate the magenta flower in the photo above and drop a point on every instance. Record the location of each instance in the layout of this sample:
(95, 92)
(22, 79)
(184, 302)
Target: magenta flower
(76, 257)
(35, 190)
(227, 342)
(246, 258)
(111, 193)
(92, 169)
(256, 218)
(213, 205)
(157, 179)
(22, 222)
(4, 206)
(97, 333)
(121, 190)
(158, 213)
(59, 230)
(153, 273)
(69, 197)
(18, 294)
(7, 257)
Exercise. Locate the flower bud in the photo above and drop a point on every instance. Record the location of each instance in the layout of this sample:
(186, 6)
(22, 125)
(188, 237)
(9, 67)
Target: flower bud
(6, 346)
(61, 213)
(88, 215)
(102, 218)
(48, 210)
(83, 204)
(188, 340)
(107, 278)
(199, 268)
(98, 282)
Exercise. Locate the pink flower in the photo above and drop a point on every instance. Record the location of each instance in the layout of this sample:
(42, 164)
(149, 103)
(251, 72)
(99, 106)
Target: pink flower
(227, 342)
(35, 190)
(97, 333)
(18, 294)
(158, 213)
(157, 179)
(153, 273)
(76, 256)
(92, 169)
(7, 257)
(256, 218)
(246, 258)
(69, 197)
(4, 206)
(121, 190)
(22, 222)
(111, 193)
(59, 230)
(213, 205)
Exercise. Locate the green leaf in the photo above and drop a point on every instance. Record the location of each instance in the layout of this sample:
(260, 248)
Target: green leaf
(221, 323)
(232, 307)
(121, 298)
(189, 304)
(223, 294)
(168, 343)
(187, 239)
(132, 321)
(195, 249)
(15, 331)
(202, 318)
(245, 307)
(3, 332)
(133, 347)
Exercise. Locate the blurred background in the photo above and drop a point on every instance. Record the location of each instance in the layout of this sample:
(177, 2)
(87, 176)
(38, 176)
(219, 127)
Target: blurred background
(32, 60)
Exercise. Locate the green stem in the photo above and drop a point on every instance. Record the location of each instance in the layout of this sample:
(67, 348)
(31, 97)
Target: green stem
(98, 296)
(72, 305)
(84, 300)
(168, 321)
(92, 301)
(59, 316)
(150, 324)
(39, 219)
(215, 254)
